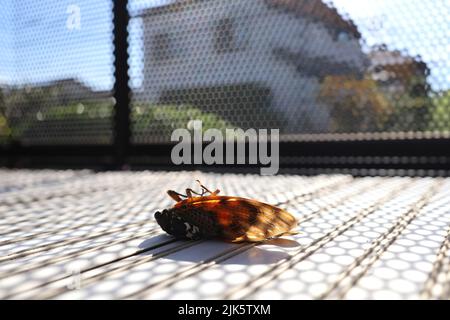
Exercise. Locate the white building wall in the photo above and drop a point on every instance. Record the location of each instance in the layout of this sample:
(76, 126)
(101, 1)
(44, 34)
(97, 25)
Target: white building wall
(196, 63)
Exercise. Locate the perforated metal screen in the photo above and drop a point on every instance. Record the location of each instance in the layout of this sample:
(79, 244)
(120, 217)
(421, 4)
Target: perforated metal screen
(309, 68)
(360, 238)
(56, 72)
(314, 69)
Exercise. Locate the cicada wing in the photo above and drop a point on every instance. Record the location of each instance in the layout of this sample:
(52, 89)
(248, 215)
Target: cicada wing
(270, 222)
(237, 219)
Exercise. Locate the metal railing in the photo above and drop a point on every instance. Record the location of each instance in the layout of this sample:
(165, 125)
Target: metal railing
(343, 148)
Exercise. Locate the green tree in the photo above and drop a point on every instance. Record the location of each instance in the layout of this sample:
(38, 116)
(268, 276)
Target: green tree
(356, 105)
(5, 130)
(440, 115)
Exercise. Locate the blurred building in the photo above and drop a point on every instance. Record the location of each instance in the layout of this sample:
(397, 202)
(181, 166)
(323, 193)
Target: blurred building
(29, 98)
(55, 108)
(55, 93)
(257, 63)
(71, 90)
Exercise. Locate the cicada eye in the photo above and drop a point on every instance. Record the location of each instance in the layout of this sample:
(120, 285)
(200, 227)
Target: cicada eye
(163, 219)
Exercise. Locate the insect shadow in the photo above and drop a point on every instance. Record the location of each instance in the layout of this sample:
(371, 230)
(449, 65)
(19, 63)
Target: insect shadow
(267, 252)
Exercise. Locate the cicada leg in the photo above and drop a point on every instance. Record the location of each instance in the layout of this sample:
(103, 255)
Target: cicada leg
(175, 195)
(205, 189)
(189, 193)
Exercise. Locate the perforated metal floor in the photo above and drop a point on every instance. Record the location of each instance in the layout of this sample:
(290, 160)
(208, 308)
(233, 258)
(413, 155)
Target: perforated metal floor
(85, 235)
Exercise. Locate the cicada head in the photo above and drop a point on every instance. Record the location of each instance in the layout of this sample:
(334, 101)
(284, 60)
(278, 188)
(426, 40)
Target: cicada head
(174, 225)
(164, 219)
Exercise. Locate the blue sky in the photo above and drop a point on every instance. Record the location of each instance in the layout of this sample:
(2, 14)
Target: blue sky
(417, 27)
(48, 50)
(45, 49)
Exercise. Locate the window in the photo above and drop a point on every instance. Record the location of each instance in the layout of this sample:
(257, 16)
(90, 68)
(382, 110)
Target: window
(224, 37)
(343, 36)
(161, 47)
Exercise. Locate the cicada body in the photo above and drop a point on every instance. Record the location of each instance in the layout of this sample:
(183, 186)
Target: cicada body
(223, 217)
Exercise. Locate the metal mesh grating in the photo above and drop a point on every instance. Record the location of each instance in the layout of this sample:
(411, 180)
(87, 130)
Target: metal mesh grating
(56, 72)
(315, 69)
(85, 235)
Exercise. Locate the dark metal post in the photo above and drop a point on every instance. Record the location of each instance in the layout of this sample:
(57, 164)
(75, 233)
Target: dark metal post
(121, 129)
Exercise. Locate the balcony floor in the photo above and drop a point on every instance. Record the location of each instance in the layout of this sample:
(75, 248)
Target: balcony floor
(86, 235)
